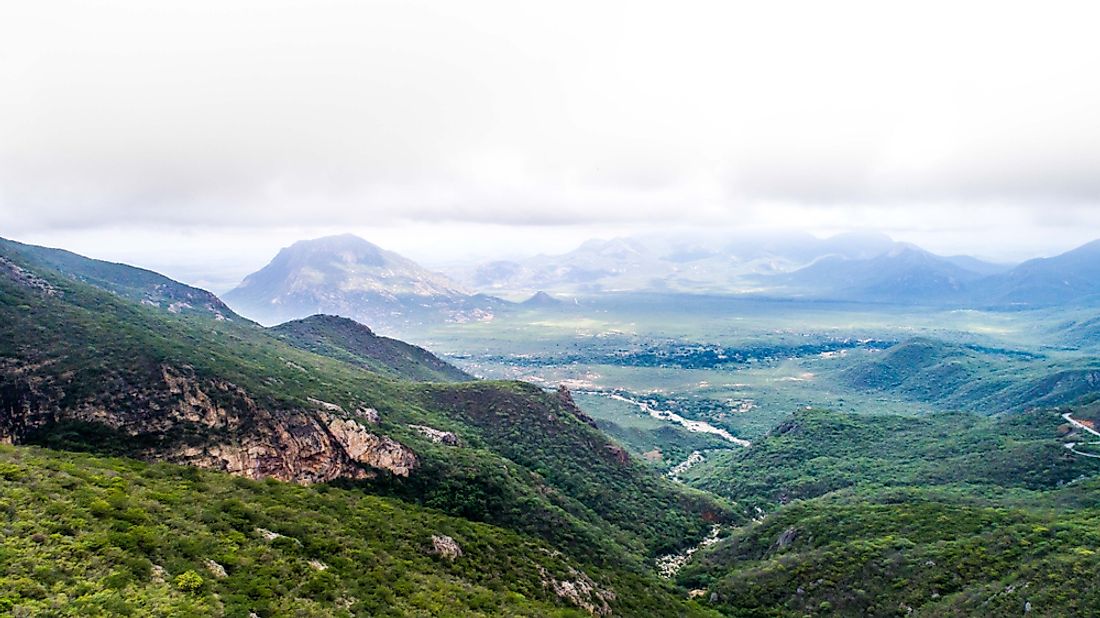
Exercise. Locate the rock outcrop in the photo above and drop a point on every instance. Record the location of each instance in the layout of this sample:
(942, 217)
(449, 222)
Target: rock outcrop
(436, 435)
(580, 590)
(445, 547)
(207, 423)
(566, 399)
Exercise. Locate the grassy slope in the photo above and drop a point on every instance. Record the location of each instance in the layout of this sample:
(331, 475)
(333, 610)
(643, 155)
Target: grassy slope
(86, 536)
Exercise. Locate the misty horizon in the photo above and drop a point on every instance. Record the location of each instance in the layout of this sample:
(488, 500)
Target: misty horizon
(195, 140)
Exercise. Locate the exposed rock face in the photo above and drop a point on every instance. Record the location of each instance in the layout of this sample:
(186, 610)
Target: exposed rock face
(786, 538)
(27, 278)
(380, 452)
(368, 414)
(215, 569)
(579, 590)
(619, 454)
(324, 405)
(211, 424)
(445, 547)
(566, 399)
(436, 435)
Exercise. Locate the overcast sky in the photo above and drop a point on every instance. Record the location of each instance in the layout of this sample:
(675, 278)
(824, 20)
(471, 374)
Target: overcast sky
(199, 137)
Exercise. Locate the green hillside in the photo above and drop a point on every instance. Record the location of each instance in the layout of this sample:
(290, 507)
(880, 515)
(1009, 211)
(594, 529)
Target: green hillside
(948, 514)
(352, 342)
(90, 536)
(86, 369)
(961, 377)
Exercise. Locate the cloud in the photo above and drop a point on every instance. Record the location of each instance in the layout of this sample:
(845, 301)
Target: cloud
(284, 113)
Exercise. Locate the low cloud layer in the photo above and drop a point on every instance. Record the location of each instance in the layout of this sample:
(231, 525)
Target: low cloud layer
(280, 114)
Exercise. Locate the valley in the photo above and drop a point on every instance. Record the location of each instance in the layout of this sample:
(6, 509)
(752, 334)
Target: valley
(617, 454)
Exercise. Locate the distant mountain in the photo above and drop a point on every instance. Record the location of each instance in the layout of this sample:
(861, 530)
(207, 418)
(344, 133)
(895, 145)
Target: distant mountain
(542, 299)
(1070, 277)
(714, 264)
(904, 274)
(348, 276)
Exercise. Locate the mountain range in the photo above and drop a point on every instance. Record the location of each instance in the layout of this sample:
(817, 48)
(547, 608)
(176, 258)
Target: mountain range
(846, 267)
(350, 277)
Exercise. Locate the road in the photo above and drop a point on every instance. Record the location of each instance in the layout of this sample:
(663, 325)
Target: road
(1078, 424)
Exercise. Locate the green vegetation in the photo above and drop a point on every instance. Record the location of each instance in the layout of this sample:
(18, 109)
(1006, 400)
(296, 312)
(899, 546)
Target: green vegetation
(86, 369)
(661, 443)
(90, 536)
(816, 452)
(949, 514)
(902, 501)
(350, 341)
(887, 553)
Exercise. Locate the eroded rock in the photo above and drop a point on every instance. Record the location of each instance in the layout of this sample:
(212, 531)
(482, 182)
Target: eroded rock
(445, 547)
(580, 590)
(436, 435)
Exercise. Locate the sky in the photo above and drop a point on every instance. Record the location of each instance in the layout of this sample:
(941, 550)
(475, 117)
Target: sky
(198, 137)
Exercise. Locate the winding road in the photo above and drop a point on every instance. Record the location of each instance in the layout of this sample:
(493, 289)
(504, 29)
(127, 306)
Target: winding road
(1078, 424)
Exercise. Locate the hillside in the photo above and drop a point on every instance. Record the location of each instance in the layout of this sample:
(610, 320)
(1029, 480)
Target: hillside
(84, 369)
(91, 536)
(947, 515)
(135, 284)
(984, 380)
(352, 342)
(350, 277)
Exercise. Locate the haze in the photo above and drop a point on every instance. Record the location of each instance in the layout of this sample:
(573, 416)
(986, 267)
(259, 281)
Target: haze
(199, 137)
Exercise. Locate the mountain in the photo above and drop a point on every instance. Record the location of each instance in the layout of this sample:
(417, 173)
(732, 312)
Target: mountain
(851, 266)
(135, 284)
(1073, 276)
(542, 300)
(973, 378)
(670, 262)
(84, 368)
(348, 276)
(352, 342)
(904, 274)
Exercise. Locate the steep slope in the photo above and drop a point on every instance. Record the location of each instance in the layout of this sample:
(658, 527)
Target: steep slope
(92, 536)
(1073, 276)
(348, 276)
(909, 552)
(136, 284)
(352, 342)
(81, 368)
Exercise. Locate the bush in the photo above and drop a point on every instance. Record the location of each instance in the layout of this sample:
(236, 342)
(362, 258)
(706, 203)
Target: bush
(189, 581)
